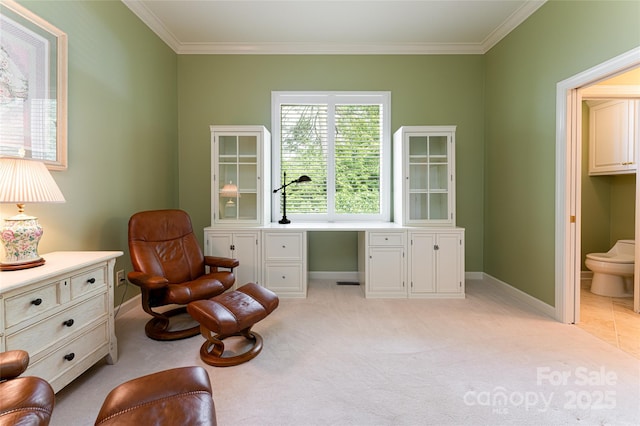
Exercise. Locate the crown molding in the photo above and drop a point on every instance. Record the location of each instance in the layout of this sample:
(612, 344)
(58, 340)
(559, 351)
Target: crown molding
(328, 49)
(151, 20)
(516, 18)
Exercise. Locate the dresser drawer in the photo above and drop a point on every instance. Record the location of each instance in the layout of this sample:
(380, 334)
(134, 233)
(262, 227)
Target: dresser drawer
(29, 304)
(76, 351)
(386, 239)
(91, 280)
(52, 330)
(283, 246)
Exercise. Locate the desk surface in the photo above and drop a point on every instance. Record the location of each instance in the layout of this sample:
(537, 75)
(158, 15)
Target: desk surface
(332, 226)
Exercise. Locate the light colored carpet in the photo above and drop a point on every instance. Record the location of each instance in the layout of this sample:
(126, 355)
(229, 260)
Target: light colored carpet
(337, 358)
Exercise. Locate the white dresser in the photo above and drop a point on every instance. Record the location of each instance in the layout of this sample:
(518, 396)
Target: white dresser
(61, 313)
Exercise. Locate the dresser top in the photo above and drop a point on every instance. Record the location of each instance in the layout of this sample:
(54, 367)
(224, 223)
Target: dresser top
(57, 263)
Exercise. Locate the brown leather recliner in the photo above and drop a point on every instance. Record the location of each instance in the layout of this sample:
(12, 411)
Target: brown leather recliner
(170, 268)
(179, 396)
(23, 400)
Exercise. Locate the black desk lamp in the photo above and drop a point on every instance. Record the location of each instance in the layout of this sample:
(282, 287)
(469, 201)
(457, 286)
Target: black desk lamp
(303, 178)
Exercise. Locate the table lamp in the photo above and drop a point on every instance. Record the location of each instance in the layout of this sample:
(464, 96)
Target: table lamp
(303, 178)
(24, 181)
(230, 191)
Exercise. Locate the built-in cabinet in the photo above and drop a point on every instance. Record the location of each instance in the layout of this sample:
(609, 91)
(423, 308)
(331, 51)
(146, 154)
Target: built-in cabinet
(241, 176)
(285, 262)
(613, 136)
(237, 244)
(385, 264)
(61, 313)
(424, 175)
(436, 263)
(421, 255)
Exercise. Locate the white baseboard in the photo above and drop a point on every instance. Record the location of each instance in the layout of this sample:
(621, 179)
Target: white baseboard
(128, 305)
(334, 275)
(473, 275)
(531, 301)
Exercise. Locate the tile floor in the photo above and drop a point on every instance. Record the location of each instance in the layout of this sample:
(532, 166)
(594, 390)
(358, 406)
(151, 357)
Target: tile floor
(611, 319)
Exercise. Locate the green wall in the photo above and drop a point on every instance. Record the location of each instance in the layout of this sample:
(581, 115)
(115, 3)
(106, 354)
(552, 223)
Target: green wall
(425, 90)
(139, 117)
(122, 125)
(562, 39)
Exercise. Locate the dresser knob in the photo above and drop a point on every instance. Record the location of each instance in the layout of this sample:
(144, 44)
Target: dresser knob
(70, 356)
(37, 302)
(91, 280)
(68, 322)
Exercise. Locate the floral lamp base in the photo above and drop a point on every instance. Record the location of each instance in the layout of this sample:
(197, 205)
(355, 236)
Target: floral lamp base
(20, 237)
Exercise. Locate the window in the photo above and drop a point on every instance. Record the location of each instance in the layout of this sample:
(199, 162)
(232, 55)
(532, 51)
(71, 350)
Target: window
(342, 141)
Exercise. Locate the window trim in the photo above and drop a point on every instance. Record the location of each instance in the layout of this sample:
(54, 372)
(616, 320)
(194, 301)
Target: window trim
(333, 98)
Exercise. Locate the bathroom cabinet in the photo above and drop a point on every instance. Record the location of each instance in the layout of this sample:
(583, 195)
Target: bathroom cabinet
(613, 136)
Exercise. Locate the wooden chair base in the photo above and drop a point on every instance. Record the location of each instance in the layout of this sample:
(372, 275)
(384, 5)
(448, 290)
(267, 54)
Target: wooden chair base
(212, 350)
(158, 327)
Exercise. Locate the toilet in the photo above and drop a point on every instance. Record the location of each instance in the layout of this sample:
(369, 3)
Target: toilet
(613, 270)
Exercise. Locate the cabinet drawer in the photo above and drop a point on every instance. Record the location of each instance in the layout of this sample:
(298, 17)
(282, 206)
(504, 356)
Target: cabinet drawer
(27, 305)
(284, 278)
(92, 280)
(283, 246)
(386, 239)
(55, 364)
(48, 332)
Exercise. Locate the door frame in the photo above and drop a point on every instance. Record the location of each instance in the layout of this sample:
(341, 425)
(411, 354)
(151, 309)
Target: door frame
(568, 185)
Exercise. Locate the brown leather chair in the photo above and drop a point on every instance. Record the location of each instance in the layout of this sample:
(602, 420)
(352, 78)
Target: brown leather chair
(23, 400)
(180, 396)
(170, 269)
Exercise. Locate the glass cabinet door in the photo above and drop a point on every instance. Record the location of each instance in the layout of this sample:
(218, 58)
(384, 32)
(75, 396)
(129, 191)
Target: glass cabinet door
(237, 177)
(424, 176)
(240, 164)
(428, 177)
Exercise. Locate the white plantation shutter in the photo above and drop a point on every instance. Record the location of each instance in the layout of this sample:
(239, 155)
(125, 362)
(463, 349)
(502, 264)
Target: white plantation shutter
(341, 140)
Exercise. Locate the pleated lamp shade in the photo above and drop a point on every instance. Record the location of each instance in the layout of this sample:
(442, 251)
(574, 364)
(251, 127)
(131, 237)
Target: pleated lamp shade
(27, 181)
(24, 181)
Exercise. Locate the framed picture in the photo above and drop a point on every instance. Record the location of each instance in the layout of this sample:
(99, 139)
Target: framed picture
(33, 87)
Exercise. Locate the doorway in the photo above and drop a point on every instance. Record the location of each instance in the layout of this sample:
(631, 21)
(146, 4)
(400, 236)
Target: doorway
(568, 185)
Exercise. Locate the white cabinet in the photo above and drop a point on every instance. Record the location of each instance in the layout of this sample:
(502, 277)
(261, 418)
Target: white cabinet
(243, 245)
(613, 135)
(385, 264)
(424, 175)
(241, 178)
(61, 313)
(285, 262)
(436, 263)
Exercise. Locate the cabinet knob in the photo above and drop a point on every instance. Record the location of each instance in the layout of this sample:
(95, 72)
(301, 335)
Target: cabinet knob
(436, 247)
(283, 246)
(284, 277)
(37, 302)
(91, 280)
(68, 322)
(70, 356)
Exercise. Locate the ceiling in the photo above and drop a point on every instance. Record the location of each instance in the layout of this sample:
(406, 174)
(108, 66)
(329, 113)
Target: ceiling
(332, 26)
